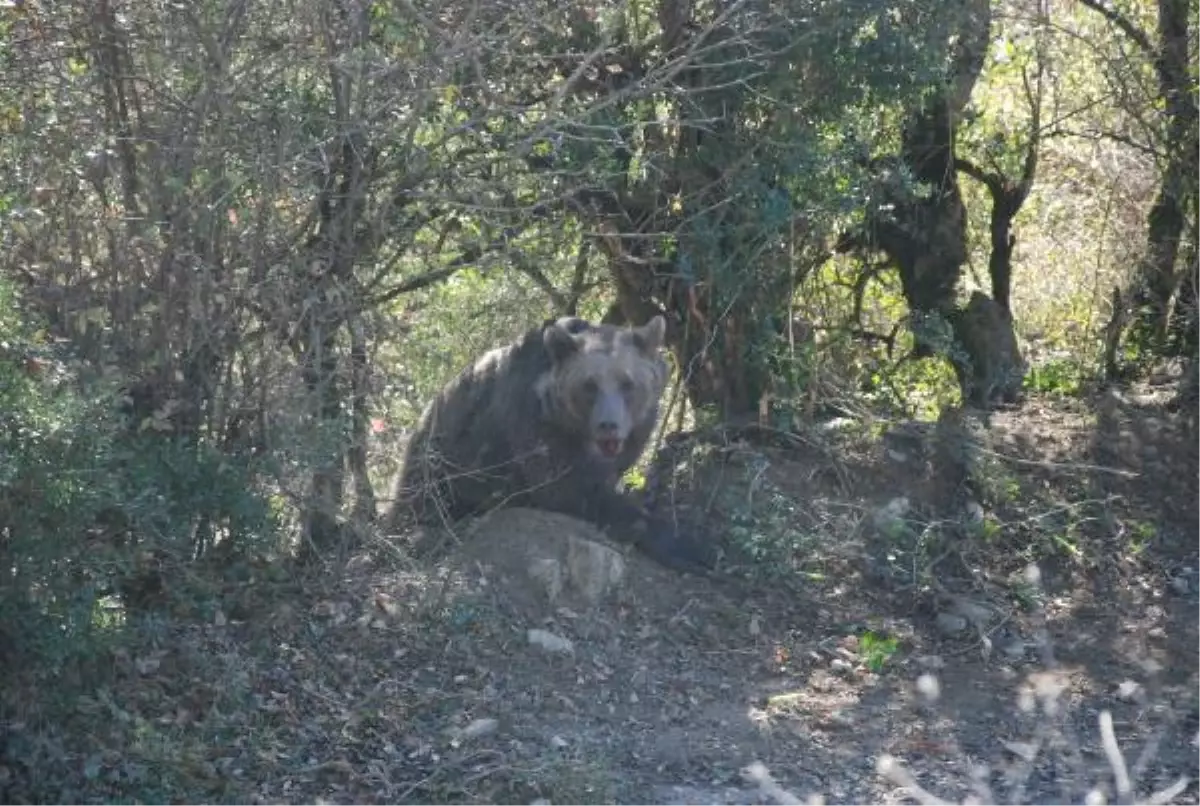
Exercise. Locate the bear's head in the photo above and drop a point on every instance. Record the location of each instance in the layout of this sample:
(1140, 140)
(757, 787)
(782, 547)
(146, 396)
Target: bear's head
(604, 381)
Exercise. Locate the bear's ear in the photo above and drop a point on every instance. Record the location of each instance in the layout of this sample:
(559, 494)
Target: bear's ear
(573, 324)
(559, 342)
(649, 337)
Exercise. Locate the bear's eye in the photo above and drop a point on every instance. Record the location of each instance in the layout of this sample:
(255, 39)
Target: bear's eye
(627, 385)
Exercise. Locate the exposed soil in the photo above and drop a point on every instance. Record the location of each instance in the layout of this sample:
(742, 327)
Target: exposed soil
(379, 681)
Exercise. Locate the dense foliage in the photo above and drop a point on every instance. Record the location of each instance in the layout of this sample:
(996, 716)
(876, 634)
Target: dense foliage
(242, 242)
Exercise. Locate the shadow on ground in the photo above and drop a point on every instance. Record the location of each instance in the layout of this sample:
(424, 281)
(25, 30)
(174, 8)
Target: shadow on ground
(385, 681)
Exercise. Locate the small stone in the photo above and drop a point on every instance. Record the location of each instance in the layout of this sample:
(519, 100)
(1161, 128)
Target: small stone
(558, 742)
(594, 569)
(929, 686)
(1013, 649)
(974, 612)
(951, 624)
(1024, 750)
(889, 519)
(480, 727)
(147, 666)
(1129, 691)
(897, 507)
(549, 641)
(931, 661)
(549, 573)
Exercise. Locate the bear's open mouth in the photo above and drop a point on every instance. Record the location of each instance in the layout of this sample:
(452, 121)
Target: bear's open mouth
(609, 446)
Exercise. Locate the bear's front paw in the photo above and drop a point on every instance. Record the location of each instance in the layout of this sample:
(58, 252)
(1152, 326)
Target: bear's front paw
(666, 545)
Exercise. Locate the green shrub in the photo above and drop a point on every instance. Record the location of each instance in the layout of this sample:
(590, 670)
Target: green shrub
(94, 514)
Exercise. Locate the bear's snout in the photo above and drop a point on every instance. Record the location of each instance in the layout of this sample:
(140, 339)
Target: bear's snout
(610, 424)
(609, 446)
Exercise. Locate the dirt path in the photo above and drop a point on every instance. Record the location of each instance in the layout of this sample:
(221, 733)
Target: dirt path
(381, 683)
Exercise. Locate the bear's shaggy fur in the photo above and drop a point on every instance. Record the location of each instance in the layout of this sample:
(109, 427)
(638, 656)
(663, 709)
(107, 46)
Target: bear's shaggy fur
(551, 421)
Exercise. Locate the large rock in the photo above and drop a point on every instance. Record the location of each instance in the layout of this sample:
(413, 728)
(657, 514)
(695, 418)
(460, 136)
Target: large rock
(566, 559)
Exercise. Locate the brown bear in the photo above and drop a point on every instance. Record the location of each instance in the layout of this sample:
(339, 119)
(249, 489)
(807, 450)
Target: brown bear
(551, 421)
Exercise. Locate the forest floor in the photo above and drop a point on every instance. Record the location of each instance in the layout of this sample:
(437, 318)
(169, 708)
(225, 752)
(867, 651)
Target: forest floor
(382, 681)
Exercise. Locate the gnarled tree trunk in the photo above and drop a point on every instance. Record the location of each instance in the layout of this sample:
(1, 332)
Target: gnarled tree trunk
(921, 227)
(711, 342)
(1158, 276)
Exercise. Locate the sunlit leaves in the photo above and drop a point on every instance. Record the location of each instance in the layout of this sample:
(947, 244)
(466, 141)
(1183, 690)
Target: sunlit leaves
(76, 66)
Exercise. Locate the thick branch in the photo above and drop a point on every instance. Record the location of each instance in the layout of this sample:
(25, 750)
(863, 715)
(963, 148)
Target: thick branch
(969, 53)
(1124, 23)
(424, 280)
(1033, 147)
(993, 182)
(577, 282)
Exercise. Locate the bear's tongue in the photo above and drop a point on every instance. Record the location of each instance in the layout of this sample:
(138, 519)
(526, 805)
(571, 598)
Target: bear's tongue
(609, 446)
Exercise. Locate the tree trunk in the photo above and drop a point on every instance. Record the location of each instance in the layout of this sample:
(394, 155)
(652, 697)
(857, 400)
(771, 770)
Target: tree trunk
(924, 236)
(365, 508)
(986, 357)
(1158, 280)
(1184, 326)
(1008, 197)
(922, 228)
(713, 358)
(1185, 317)
(321, 529)
(710, 350)
(989, 365)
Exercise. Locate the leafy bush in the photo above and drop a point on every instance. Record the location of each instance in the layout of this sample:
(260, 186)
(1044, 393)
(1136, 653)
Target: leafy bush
(94, 513)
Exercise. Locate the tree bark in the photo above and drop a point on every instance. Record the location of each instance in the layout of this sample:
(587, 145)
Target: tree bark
(921, 227)
(986, 357)
(321, 530)
(365, 507)
(709, 348)
(1157, 279)
(924, 234)
(1167, 218)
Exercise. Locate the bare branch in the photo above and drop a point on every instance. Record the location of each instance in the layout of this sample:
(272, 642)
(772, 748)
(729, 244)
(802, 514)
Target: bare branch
(577, 282)
(423, 280)
(561, 301)
(993, 181)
